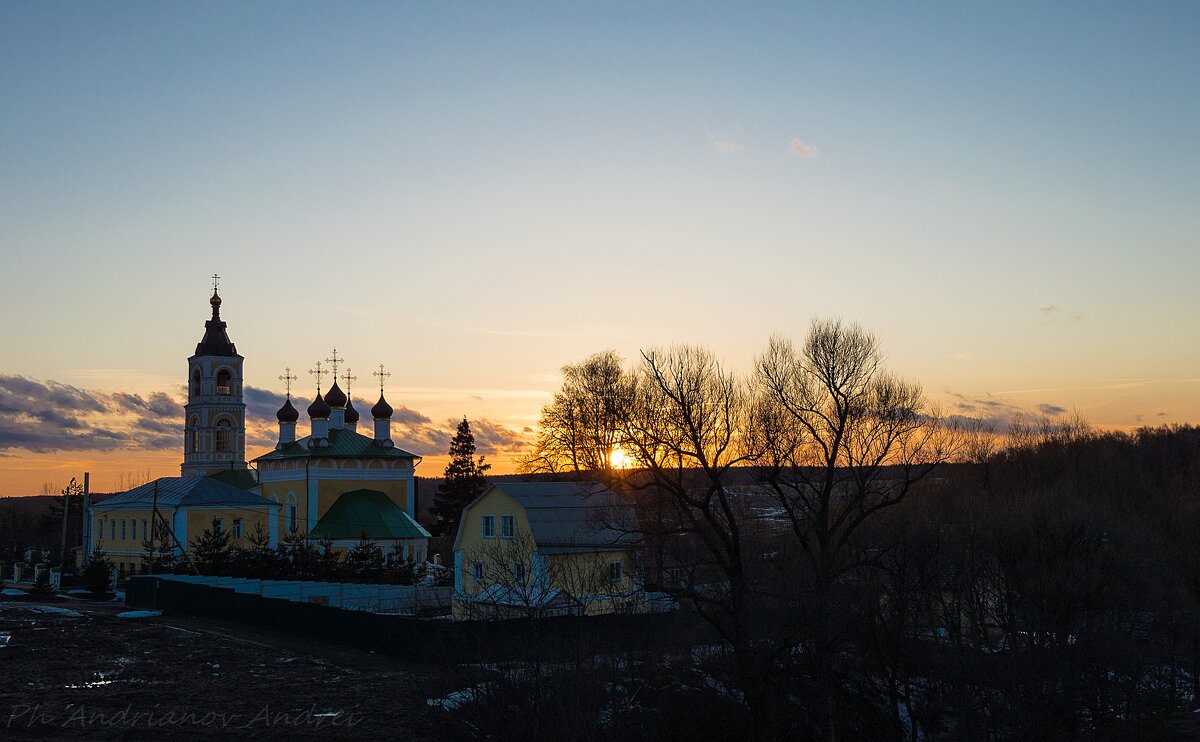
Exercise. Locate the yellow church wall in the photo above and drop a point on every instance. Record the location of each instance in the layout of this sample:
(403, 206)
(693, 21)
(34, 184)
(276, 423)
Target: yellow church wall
(199, 520)
(328, 491)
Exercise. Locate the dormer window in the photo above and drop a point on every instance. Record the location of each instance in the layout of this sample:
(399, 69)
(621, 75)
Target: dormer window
(223, 381)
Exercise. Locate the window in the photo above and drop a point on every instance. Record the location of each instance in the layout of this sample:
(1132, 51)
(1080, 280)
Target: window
(237, 527)
(224, 437)
(291, 517)
(518, 573)
(223, 377)
(112, 530)
(616, 571)
(195, 434)
(122, 529)
(489, 526)
(196, 382)
(507, 526)
(218, 525)
(477, 571)
(145, 533)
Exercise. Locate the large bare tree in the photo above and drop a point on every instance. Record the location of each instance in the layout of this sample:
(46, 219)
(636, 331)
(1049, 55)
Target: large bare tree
(843, 439)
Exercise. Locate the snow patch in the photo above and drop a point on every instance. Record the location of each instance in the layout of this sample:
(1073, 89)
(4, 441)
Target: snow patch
(139, 614)
(12, 592)
(55, 610)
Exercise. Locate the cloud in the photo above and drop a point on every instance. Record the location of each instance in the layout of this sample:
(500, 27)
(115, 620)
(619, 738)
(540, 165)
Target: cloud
(724, 145)
(1048, 309)
(998, 414)
(800, 149)
(50, 417)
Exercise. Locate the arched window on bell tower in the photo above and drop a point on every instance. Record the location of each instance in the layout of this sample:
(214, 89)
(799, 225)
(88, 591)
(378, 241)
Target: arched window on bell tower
(224, 382)
(224, 435)
(195, 385)
(194, 428)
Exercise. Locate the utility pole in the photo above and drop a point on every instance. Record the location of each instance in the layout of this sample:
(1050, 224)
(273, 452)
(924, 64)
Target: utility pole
(62, 553)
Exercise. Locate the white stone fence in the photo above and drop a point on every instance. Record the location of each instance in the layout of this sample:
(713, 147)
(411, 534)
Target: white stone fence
(403, 600)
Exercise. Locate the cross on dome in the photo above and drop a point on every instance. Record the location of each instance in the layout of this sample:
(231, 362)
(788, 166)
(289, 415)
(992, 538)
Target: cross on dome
(318, 372)
(287, 378)
(334, 360)
(382, 376)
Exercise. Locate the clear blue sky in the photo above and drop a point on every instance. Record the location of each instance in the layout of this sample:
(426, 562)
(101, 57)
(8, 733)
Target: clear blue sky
(477, 194)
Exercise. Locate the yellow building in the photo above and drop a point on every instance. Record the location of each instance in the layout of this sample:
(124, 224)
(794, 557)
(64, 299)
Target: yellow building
(186, 506)
(546, 548)
(334, 484)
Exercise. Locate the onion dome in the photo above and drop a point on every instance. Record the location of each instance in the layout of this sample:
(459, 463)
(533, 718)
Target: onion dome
(382, 410)
(287, 413)
(319, 409)
(215, 301)
(351, 413)
(335, 397)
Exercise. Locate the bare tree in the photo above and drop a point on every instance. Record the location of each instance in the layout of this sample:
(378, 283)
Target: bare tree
(843, 440)
(582, 427)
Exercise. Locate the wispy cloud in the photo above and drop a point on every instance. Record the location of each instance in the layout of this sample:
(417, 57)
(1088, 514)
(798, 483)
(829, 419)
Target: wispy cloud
(800, 149)
(724, 145)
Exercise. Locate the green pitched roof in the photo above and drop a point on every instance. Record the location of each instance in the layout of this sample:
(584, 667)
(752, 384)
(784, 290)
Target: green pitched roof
(368, 512)
(342, 443)
(243, 479)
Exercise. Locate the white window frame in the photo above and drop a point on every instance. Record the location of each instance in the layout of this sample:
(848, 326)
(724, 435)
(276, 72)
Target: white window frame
(508, 526)
(218, 526)
(518, 573)
(616, 571)
(489, 526)
(122, 529)
(236, 531)
(477, 571)
(145, 533)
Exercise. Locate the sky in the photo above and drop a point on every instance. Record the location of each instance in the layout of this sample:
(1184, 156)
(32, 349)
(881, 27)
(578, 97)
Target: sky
(476, 194)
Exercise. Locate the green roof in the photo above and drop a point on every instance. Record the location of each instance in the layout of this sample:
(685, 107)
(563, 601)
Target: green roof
(243, 479)
(342, 443)
(366, 512)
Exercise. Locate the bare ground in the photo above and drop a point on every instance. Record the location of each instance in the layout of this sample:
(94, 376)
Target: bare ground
(94, 675)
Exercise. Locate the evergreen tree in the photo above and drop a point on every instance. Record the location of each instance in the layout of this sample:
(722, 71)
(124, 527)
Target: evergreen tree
(257, 560)
(464, 481)
(328, 562)
(159, 556)
(97, 576)
(211, 551)
(365, 562)
(297, 557)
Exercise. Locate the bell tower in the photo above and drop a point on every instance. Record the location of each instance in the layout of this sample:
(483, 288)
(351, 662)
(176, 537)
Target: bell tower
(215, 415)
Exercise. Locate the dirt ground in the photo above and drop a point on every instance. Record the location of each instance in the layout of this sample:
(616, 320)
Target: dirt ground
(76, 670)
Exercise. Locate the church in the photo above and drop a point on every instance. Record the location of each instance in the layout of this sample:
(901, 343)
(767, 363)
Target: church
(334, 484)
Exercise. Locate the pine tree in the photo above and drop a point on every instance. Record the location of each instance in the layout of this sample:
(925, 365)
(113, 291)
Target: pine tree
(464, 481)
(159, 556)
(365, 562)
(211, 551)
(97, 576)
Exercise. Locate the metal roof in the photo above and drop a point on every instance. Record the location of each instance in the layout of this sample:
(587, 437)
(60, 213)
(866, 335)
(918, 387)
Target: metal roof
(343, 443)
(173, 492)
(573, 513)
(368, 513)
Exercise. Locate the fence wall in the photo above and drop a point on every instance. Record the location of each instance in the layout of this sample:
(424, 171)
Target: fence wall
(408, 600)
(421, 640)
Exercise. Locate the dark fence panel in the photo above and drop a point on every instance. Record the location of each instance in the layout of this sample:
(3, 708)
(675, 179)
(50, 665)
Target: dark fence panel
(419, 640)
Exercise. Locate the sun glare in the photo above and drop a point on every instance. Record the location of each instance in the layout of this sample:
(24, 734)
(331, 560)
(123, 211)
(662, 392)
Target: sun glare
(618, 459)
